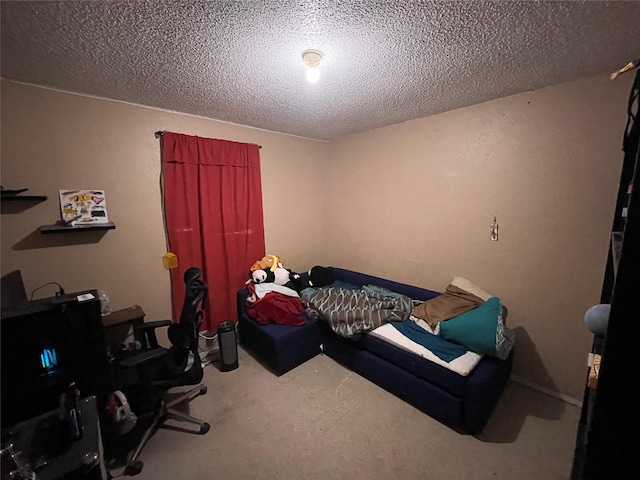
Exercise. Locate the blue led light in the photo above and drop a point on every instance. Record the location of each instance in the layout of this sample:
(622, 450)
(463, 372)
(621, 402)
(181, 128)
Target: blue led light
(48, 358)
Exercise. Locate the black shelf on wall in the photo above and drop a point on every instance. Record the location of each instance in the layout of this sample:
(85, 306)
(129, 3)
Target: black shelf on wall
(23, 198)
(76, 228)
(13, 202)
(19, 203)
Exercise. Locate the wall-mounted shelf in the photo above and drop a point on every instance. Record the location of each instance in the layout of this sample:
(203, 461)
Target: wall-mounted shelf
(23, 198)
(76, 228)
(19, 203)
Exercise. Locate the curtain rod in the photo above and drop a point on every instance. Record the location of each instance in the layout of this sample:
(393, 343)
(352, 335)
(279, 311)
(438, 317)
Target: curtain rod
(158, 134)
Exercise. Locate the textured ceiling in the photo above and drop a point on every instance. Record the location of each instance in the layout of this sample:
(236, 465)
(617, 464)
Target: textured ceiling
(385, 61)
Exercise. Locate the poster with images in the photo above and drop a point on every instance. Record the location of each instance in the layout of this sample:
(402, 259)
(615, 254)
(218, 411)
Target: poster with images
(83, 207)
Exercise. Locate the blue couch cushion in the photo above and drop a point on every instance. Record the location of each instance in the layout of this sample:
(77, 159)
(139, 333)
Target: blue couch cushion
(283, 336)
(273, 336)
(425, 369)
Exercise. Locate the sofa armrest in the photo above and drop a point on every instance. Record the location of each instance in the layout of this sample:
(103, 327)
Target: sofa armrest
(241, 302)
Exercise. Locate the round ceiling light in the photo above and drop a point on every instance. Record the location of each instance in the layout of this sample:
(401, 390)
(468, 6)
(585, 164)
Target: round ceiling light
(312, 59)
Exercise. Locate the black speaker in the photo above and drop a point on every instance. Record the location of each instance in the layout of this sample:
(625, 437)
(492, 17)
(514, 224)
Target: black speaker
(228, 346)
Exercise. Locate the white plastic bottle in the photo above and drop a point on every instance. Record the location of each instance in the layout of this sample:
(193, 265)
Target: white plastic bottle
(105, 308)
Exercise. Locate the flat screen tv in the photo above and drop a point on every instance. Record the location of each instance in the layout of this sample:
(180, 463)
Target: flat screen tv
(45, 345)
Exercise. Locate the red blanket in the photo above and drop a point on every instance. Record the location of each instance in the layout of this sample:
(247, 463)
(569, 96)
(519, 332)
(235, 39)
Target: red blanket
(275, 308)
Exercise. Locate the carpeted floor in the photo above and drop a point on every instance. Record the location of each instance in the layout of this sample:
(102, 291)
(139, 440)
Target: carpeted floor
(322, 422)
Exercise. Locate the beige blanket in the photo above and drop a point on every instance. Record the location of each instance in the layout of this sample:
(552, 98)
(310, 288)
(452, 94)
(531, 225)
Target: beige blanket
(453, 302)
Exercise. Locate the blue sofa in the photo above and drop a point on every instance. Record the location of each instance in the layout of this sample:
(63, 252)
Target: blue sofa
(279, 347)
(463, 403)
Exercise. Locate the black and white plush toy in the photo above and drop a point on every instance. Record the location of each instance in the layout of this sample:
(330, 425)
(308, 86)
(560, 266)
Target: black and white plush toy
(316, 277)
(320, 276)
(279, 276)
(295, 281)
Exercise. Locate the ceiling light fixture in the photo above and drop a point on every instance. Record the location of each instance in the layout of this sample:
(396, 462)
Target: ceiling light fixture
(312, 60)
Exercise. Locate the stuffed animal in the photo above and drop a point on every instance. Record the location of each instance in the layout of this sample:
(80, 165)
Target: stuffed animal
(279, 276)
(316, 277)
(320, 276)
(262, 276)
(295, 281)
(270, 261)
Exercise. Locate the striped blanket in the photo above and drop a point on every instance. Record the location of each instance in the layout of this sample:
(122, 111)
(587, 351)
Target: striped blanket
(352, 312)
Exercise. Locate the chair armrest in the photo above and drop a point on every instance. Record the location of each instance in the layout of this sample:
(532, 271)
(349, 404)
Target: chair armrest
(146, 332)
(143, 357)
(153, 325)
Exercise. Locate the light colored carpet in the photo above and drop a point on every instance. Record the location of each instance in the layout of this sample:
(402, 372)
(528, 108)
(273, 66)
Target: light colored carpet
(321, 421)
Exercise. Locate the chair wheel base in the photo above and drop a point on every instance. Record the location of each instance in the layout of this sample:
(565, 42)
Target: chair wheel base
(204, 428)
(134, 469)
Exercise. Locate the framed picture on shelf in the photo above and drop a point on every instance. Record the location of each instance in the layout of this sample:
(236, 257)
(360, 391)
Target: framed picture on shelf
(83, 207)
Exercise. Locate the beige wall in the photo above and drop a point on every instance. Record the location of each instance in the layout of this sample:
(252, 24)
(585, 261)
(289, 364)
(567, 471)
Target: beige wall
(53, 140)
(414, 202)
(411, 202)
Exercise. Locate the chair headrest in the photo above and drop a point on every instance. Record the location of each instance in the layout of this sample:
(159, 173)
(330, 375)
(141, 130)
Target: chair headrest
(192, 274)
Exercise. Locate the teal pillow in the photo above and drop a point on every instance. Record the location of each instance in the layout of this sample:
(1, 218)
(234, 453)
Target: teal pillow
(481, 330)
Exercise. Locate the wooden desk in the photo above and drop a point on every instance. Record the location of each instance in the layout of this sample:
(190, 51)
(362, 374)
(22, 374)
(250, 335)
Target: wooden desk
(119, 325)
(119, 332)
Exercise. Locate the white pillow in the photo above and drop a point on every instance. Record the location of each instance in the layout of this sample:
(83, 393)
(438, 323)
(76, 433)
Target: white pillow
(469, 286)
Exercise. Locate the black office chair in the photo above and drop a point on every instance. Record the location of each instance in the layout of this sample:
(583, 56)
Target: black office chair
(161, 369)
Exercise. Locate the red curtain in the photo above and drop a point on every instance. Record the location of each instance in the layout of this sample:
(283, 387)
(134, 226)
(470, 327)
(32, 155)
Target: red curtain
(213, 217)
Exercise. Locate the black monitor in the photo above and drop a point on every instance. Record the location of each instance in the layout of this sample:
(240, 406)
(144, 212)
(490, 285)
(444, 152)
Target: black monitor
(45, 345)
